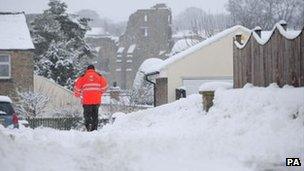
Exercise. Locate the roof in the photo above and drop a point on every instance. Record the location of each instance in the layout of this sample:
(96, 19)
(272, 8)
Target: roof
(197, 47)
(5, 99)
(14, 32)
(183, 44)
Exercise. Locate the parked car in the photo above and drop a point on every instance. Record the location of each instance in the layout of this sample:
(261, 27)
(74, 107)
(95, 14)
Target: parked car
(7, 113)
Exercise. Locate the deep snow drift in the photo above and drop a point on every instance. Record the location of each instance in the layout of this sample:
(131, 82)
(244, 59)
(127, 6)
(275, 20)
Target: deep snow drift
(246, 129)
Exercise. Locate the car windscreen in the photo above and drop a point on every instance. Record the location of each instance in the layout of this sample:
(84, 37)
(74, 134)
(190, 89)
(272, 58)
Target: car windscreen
(6, 108)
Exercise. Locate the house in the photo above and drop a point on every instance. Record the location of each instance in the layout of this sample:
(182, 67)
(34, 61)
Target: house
(16, 55)
(209, 60)
(267, 57)
(148, 35)
(105, 46)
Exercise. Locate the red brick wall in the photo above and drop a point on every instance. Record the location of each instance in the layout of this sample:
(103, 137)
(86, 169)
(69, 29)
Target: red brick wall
(22, 73)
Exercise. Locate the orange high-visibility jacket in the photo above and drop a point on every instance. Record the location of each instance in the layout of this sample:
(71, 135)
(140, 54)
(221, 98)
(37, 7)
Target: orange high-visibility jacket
(90, 87)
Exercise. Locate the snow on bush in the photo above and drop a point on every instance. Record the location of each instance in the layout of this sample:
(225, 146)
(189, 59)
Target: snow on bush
(246, 129)
(212, 86)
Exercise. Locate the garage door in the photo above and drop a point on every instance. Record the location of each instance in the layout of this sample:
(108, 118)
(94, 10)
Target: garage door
(192, 84)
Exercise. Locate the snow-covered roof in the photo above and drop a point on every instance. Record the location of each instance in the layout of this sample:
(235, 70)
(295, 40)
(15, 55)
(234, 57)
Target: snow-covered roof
(14, 32)
(266, 35)
(183, 44)
(132, 48)
(95, 32)
(198, 46)
(5, 99)
(145, 67)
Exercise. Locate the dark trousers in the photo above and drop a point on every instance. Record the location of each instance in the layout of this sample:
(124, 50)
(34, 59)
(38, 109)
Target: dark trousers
(90, 113)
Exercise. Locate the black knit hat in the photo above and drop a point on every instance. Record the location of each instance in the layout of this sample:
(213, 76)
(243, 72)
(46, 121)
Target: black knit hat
(91, 67)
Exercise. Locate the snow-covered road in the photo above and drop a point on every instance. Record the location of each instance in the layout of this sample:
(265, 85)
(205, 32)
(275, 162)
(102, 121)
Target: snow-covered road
(245, 128)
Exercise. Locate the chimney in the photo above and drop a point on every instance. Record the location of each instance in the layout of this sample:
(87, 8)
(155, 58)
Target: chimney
(238, 38)
(283, 23)
(258, 30)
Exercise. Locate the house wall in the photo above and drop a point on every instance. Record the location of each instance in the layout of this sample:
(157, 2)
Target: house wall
(22, 71)
(212, 61)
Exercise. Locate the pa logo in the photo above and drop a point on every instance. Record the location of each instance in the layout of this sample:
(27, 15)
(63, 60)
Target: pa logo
(293, 162)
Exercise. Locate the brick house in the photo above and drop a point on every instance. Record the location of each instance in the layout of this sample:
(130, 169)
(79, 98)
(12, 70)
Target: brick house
(16, 55)
(148, 35)
(105, 47)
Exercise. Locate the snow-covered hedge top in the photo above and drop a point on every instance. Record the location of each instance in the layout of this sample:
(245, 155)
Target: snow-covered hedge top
(199, 46)
(266, 35)
(14, 33)
(5, 99)
(212, 86)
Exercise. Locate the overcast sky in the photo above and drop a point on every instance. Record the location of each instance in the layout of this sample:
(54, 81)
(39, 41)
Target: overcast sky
(117, 10)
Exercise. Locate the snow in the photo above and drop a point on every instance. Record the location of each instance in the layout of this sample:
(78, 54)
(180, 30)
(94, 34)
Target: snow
(212, 86)
(14, 33)
(199, 46)
(147, 66)
(183, 44)
(184, 33)
(131, 48)
(266, 35)
(120, 50)
(95, 32)
(252, 128)
(5, 99)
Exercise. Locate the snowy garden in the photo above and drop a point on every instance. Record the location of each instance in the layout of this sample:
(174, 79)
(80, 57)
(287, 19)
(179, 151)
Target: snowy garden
(251, 128)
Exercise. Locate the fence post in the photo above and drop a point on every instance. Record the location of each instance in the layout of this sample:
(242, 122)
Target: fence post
(208, 97)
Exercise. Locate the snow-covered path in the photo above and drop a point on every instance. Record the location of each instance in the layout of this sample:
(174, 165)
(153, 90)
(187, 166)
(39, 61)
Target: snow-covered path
(246, 127)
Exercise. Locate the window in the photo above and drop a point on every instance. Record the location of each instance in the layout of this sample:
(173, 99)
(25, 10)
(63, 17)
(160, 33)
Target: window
(118, 61)
(146, 18)
(5, 66)
(129, 56)
(129, 61)
(169, 19)
(144, 31)
(118, 69)
(118, 55)
(128, 69)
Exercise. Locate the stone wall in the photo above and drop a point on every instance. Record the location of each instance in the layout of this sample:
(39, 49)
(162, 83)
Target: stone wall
(22, 72)
(150, 31)
(106, 56)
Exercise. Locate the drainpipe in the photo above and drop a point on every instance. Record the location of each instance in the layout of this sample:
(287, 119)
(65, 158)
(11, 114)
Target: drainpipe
(154, 87)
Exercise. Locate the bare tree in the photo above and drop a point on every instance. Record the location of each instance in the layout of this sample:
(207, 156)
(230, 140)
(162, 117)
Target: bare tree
(31, 104)
(265, 13)
(201, 22)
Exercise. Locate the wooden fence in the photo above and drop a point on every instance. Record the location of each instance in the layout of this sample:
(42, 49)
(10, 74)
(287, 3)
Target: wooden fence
(56, 123)
(279, 60)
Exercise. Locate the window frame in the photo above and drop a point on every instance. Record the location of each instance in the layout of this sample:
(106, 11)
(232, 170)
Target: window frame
(9, 63)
